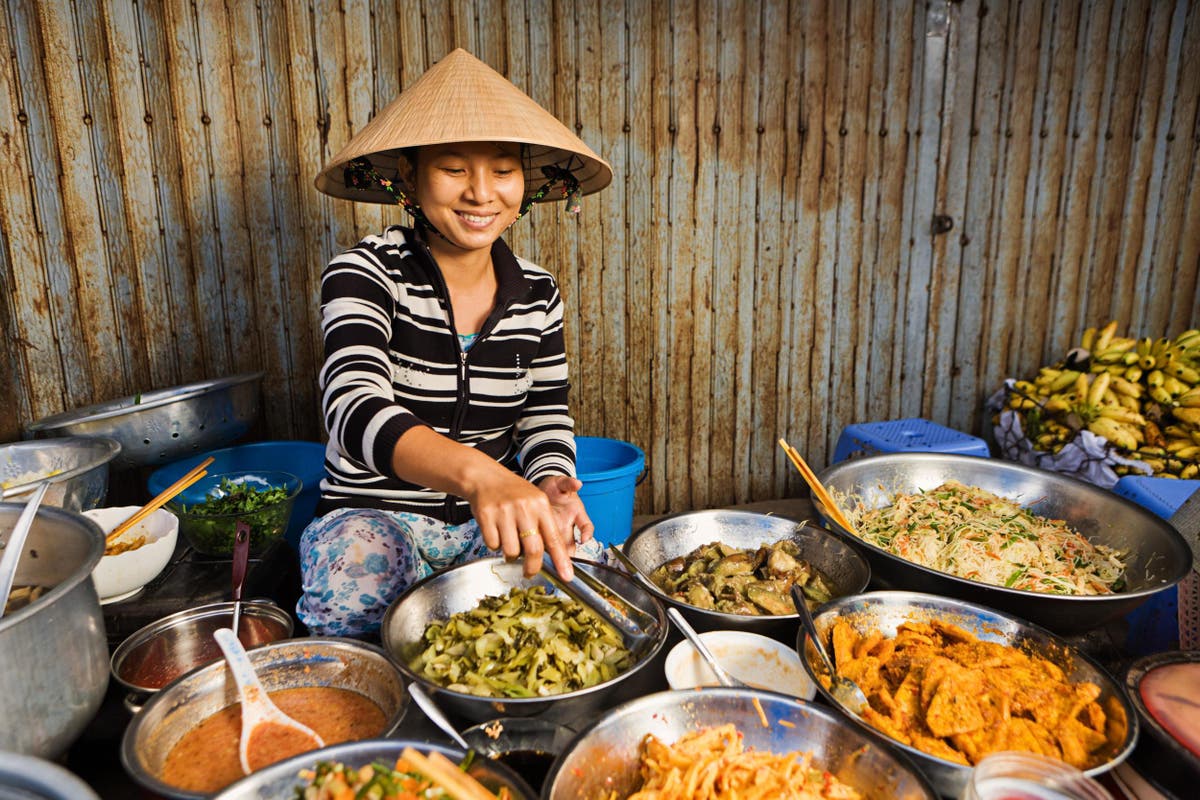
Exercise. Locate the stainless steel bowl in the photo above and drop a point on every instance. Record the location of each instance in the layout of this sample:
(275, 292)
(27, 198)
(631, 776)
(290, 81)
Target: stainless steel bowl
(1161, 754)
(158, 653)
(316, 661)
(53, 652)
(165, 424)
(25, 777)
(280, 780)
(80, 467)
(460, 588)
(654, 544)
(886, 611)
(604, 757)
(1158, 557)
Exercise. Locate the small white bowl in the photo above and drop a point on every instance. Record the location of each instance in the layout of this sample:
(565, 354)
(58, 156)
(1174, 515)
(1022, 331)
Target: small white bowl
(754, 659)
(121, 576)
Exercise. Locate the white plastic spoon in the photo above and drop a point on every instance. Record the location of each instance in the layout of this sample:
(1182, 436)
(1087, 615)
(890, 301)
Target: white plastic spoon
(257, 708)
(16, 543)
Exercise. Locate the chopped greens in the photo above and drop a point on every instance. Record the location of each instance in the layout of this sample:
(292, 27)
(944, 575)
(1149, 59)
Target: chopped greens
(524, 644)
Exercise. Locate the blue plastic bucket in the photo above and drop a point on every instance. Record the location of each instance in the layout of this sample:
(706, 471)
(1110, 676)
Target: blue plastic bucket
(610, 471)
(306, 460)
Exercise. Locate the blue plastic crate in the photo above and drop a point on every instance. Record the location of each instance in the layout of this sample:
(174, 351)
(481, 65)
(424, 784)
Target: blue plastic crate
(1154, 625)
(913, 435)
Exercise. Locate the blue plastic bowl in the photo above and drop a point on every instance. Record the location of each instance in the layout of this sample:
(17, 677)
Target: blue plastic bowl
(305, 460)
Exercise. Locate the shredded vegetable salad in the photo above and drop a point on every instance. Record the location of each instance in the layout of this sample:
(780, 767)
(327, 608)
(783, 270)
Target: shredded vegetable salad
(971, 533)
(379, 781)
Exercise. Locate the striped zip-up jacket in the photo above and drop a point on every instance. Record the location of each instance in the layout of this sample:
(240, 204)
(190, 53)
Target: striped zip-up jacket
(393, 360)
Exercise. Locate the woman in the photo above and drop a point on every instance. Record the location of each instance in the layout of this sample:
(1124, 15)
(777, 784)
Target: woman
(444, 386)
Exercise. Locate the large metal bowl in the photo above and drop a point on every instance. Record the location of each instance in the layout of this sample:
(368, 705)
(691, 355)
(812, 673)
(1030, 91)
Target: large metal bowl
(80, 467)
(658, 542)
(603, 758)
(25, 777)
(166, 424)
(460, 588)
(53, 652)
(315, 661)
(1158, 557)
(886, 611)
(280, 780)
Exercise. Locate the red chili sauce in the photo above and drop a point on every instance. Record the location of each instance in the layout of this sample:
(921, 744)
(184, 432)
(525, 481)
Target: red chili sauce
(1172, 696)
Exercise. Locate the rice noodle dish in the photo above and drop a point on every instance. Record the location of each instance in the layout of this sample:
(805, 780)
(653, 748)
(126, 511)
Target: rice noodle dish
(971, 533)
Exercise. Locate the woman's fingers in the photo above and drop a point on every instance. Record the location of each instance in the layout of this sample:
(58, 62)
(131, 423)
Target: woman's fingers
(552, 543)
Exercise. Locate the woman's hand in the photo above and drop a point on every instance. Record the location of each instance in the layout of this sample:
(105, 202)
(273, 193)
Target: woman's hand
(516, 517)
(563, 492)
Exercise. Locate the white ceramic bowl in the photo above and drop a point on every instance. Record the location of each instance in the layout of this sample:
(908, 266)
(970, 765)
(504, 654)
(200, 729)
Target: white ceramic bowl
(121, 576)
(757, 660)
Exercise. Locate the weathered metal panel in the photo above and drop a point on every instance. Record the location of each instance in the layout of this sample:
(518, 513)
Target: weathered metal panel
(764, 264)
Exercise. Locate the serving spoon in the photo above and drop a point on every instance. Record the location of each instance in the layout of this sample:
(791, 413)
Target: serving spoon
(435, 714)
(16, 543)
(844, 690)
(723, 677)
(259, 714)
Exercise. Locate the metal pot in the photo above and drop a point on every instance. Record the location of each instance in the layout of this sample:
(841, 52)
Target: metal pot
(314, 661)
(53, 653)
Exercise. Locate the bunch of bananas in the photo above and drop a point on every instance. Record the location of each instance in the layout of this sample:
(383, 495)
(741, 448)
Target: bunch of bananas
(1142, 395)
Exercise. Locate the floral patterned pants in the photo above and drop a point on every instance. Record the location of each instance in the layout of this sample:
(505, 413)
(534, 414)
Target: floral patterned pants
(355, 562)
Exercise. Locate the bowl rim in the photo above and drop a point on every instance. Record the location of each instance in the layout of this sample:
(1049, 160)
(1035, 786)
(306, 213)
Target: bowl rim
(293, 483)
(1138, 670)
(155, 398)
(108, 448)
(1181, 568)
(680, 697)
(643, 575)
(680, 648)
(836, 607)
(517, 702)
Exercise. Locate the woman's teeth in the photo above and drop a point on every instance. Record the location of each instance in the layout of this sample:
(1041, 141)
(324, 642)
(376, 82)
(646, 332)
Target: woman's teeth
(476, 220)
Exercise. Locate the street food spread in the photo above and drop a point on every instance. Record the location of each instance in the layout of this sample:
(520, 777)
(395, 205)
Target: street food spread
(524, 644)
(756, 582)
(971, 533)
(205, 759)
(942, 690)
(713, 764)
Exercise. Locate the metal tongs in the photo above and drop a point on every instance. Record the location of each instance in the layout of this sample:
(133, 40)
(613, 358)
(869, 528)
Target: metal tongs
(637, 628)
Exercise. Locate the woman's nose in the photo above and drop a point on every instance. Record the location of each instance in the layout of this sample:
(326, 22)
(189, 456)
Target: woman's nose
(482, 186)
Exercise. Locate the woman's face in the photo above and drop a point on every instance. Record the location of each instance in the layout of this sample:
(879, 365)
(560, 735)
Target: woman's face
(470, 191)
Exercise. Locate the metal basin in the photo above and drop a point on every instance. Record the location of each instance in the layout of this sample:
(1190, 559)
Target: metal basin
(80, 466)
(25, 777)
(317, 661)
(166, 424)
(885, 611)
(604, 757)
(460, 588)
(654, 544)
(1158, 557)
(280, 781)
(53, 652)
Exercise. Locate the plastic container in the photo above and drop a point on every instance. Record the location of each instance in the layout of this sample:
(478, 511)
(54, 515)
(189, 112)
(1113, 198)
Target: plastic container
(305, 460)
(1025, 776)
(1153, 627)
(610, 470)
(913, 435)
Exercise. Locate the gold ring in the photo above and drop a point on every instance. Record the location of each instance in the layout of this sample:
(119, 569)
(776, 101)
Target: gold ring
(530, 532)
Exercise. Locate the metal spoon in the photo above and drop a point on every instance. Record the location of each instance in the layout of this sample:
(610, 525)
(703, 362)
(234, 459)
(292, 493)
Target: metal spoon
(241, 557)
(435, 714)
(257, 708)
(844, 690)
(16, 543)
(723, 677)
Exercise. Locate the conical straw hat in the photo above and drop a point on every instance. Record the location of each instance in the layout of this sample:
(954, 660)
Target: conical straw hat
(462, 99)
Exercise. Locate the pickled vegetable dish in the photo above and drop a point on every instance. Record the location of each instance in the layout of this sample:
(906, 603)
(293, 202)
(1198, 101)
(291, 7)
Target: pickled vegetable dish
(758, 582)
(971, 533)
(524, 644)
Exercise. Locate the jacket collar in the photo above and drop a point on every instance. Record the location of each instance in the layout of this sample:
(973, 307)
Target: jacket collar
(511, 283)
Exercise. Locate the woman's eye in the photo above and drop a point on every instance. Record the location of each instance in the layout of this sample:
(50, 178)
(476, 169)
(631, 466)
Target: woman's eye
(454, 170)
(504, 173)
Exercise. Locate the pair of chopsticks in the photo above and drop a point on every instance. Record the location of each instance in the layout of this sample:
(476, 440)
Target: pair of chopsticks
(446, 774)
(818, 489)
(191, 476)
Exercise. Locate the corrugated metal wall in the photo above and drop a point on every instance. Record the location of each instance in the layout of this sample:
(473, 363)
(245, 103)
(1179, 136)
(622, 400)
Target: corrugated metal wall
(764, 265)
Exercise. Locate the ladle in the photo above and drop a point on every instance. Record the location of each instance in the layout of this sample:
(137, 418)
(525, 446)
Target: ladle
(257, 709)
(844, 690)
(723, 677)
(435, 714)
(16, 543)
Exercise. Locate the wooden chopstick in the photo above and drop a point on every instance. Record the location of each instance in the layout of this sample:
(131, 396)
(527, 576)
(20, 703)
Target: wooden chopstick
(191, 476)
(816, 486)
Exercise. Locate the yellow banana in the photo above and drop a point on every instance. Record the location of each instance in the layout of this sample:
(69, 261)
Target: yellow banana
(1104, 336)
(1189, 415)
(1188, 338)
(1190, 398)
(1063, 379)
(1175, 386)
(1189, 453)
(1098, 388)
(1122, 414)
(1190, 471)
(1185, 373)
(1081, 388)
(1133, 374)
(1088, 339)
(1115, 432)
(1125, 387)
(1160, 395)
(1155, 378)
(1056, 404)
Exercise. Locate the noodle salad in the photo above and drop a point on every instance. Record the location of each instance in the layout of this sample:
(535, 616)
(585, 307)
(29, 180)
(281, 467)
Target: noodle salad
(971, 533)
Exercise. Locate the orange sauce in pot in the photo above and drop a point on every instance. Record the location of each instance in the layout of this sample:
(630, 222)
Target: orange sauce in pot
(206, 759)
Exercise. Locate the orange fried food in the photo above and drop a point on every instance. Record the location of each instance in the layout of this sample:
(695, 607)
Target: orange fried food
(941, 689)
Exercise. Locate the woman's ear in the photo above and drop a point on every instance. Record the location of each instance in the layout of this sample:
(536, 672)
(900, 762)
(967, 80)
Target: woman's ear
(406, 167)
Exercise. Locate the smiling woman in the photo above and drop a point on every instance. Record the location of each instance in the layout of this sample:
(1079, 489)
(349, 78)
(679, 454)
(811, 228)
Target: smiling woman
(445, 376)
